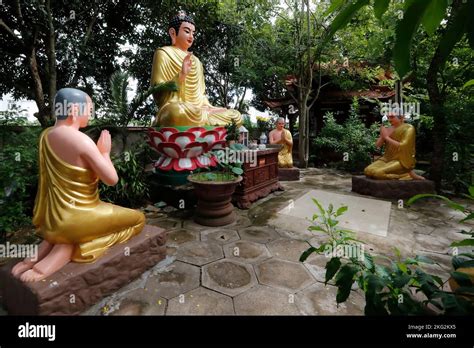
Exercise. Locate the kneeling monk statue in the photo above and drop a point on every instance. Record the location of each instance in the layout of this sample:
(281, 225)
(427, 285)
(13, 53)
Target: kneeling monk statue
(68, 215)
(398, 160)
(189, 105)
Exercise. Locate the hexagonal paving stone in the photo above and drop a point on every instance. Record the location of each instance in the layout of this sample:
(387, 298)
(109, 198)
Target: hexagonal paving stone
(262, 300)
(300, 234)
(282, 274)
(165, 223)
(176, 279)
(181, 236)
(199, 253)
(258, 234)
(228, 277)
(220, 235)
(200, 301)
(316, 264)
(190, 224)
(319, 299)
(246, 251)
(141, 302)
(287, 249)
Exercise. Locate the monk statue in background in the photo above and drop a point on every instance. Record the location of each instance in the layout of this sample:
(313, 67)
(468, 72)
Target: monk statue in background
(398, 160)
(68, 215)
(189, 105)
(282, 136)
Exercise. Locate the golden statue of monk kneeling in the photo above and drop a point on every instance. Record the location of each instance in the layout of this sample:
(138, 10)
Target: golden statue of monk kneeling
(398, 160)
(68, 215)
(189, 105)
(282, 136)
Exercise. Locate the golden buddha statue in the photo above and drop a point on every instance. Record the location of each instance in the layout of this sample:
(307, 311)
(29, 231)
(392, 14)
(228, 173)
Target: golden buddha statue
(282, 136)
(68, 214)
(189, 105)
(398, 160)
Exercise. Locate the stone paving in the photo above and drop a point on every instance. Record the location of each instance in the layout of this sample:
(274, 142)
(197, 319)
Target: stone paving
(252, 267)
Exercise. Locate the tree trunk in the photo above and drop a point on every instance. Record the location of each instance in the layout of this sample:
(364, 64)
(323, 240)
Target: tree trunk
(303, 141)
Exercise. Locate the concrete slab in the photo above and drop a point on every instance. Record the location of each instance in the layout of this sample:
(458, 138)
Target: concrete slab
(364, 214)
(199, 253)
(287, 249)
(258, 234)
(246, 251)
(220, 235)
(285, 275)
(200, 301)
(262, 300)
(228, 277)
(181, 236)
(319, 299)
(141, 302)
(176, 279)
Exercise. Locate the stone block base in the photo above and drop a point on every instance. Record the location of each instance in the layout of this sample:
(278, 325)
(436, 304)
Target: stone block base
(288, 174)
(78, 286)
(391, 189)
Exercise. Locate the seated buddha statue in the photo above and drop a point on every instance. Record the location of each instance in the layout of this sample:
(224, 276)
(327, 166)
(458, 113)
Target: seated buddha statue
(189, 106)
(68, 214)
(282, 136)
(398, 160)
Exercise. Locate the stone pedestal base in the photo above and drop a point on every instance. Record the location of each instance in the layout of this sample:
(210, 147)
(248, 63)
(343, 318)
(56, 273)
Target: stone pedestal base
(392, 189)
(78, 286)
(288, 174)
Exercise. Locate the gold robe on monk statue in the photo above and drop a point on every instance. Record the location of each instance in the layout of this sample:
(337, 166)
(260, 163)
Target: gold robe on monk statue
(68, 209)
(188, 106)
(285, 157)
(397, 161)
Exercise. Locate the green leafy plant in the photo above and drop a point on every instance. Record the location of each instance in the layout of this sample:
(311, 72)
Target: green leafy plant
(232, 131)
(226, 170)
(351, 143)
(18, 177)
(389, 285)
(132, 188)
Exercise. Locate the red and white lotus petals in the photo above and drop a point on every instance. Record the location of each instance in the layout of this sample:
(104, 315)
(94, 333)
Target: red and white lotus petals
(222, 132)
(180, 151)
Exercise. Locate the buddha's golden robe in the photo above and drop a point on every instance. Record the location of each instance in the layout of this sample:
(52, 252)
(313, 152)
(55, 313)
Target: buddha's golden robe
(397, 161)
(68, 210)
(185, 107)
(285, 157)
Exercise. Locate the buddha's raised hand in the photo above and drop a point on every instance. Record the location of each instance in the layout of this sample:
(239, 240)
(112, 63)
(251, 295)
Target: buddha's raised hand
(187, 64)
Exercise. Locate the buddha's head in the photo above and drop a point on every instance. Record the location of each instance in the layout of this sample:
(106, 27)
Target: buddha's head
(395, 119)
(280, 124)
(73, 106)
(181, 29)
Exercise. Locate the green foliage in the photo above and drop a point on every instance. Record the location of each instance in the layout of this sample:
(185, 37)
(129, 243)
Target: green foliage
(121, 112)
(131, 189)
(18, 177)
(227, 170)
(390, 285)
(351, 140)
(232, 131)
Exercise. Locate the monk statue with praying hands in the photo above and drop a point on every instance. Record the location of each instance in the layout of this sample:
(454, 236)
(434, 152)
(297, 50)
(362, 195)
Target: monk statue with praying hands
(282, 136)
(68, 214)
(398, 161)
(189, 106)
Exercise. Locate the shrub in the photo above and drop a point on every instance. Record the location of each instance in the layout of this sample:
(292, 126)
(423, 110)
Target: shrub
(352, 142)
(132, 188)
(18, 177)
